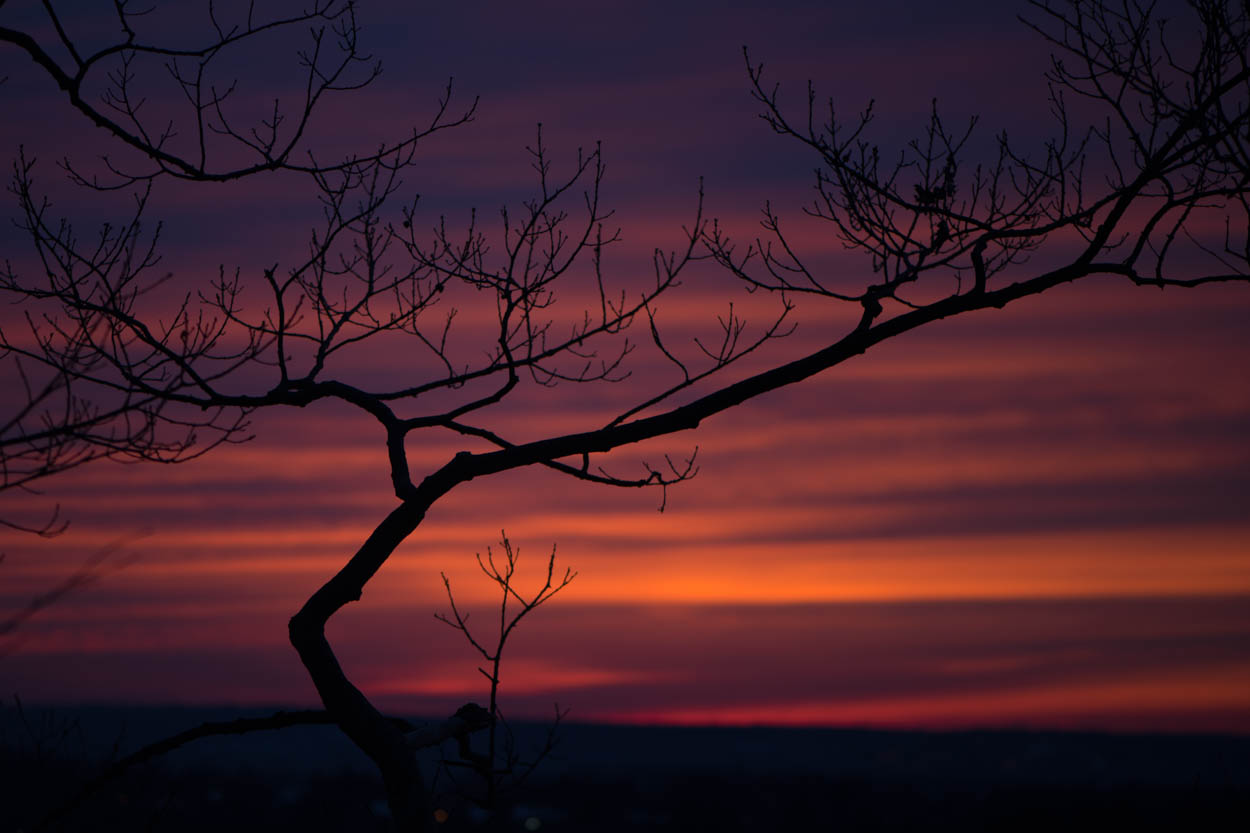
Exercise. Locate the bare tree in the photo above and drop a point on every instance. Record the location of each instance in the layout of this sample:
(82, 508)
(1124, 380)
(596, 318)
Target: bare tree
(944, 236)
(501, 767)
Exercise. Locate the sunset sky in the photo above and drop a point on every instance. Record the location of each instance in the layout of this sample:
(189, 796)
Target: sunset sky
(1036, 516)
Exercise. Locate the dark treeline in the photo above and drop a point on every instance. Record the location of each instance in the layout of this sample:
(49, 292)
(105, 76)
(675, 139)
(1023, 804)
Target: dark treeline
(640, 778)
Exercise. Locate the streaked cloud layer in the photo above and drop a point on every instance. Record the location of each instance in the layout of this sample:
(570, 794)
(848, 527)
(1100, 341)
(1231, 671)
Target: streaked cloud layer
(1036, 516)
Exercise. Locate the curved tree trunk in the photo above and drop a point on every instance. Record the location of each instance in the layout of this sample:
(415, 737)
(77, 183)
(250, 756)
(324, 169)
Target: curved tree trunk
(382, 739)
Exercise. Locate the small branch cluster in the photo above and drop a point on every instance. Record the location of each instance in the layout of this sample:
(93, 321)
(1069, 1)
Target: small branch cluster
(1177, 138)
(98, 376)
(96, 380)
(502, 765)
(203, 139)
(1174, 147)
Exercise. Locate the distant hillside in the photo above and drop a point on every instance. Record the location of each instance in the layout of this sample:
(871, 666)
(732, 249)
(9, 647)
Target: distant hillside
(662, 778)
(994, 755)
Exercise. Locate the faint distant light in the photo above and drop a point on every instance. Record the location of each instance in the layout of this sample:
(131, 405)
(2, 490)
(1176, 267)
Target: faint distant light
(440, 815)
(533, 823)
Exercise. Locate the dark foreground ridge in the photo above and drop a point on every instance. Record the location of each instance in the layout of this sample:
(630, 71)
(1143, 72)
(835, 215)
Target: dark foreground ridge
(608, 778)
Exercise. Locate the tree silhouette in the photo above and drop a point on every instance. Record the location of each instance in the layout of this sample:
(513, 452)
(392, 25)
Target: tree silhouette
(1130, 194)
